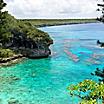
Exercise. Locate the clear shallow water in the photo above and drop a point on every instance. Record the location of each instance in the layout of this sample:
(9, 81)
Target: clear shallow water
(45, 81)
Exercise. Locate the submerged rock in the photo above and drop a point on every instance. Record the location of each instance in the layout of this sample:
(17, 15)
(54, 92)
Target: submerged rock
(9, 79)
(100, 43)
(13, 101)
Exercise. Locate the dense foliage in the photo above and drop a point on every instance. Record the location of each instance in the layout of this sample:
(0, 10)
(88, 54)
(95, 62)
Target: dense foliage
(53, 22)
(5, 53)
(89, 91)
(2, 21)
(11, 27)
(99, 73)
(14, 26)
(101, 8)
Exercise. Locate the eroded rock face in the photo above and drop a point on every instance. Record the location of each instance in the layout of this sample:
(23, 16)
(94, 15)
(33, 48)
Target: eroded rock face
(100, 43)
(29, 47)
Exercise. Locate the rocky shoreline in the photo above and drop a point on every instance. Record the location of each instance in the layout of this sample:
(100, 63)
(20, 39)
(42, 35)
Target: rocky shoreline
(27, 48)
(34, 51)
(11, 60)
(26, 53)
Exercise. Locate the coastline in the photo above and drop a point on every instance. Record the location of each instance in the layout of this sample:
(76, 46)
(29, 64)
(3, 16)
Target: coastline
(57, 22)
(18, 58)
(4, 62)
(11, 60)
(45, 25)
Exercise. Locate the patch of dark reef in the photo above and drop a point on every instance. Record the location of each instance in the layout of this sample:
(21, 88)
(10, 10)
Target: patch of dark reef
(100, 43)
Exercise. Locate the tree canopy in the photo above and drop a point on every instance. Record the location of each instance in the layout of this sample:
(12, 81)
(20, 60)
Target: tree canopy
(89, 91)
(101, 8)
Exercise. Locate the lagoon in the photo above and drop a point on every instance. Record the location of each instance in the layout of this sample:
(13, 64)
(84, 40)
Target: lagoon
(44, 81)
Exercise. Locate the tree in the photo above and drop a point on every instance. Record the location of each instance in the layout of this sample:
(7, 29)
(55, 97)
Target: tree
(15, 34)
(89, 91)
(3, 32)
(101, 8)
(2, 14)
(99, 73)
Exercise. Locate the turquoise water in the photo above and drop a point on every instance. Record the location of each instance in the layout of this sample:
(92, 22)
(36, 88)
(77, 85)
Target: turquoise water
(45, 81)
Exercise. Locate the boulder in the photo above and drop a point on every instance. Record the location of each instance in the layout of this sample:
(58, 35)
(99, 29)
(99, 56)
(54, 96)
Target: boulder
(29, 47)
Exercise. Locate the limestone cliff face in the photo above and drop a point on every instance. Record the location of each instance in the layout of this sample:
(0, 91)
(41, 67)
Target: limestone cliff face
(25, 39)
(28, 47)
(22, 37)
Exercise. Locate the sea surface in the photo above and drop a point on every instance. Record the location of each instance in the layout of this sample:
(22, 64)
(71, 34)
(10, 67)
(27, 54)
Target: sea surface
(75, 55)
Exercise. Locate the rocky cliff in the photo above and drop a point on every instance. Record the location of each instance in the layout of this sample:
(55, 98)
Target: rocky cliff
(25, 39)
(28, 47)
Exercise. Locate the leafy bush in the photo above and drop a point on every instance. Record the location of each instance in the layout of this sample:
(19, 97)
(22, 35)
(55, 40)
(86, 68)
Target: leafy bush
(14, 26)
(5, 53)
(89, 91)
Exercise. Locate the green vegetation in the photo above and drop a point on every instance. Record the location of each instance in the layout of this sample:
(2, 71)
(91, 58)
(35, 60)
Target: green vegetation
(5, 53)
(102, 11)
(89, 91)
(14, 26)
(11, 28)
(53, 22)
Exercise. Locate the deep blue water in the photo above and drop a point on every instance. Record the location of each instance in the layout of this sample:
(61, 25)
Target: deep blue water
(74, 56)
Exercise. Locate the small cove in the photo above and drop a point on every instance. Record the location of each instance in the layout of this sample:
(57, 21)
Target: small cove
(45, 81)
